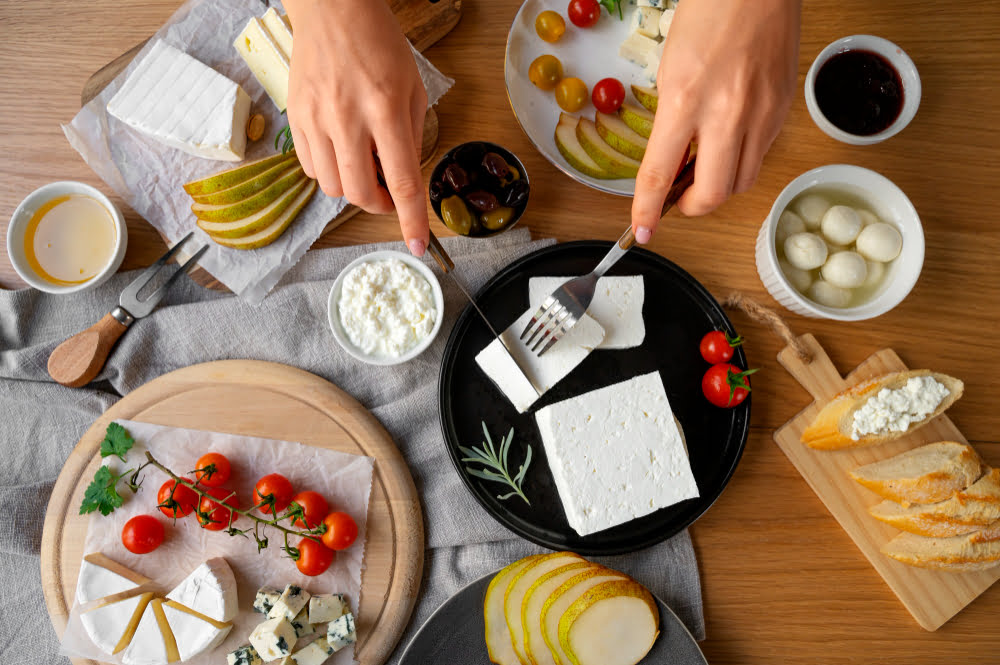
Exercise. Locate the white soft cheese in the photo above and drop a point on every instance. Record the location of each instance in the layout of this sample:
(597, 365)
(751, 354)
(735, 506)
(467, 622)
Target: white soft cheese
(616, 454)
(149, 644)
(210, 589)
(617, 306)
(386, 307)
(107, 624)
(895, 410)
(193, 634)
(96, 581)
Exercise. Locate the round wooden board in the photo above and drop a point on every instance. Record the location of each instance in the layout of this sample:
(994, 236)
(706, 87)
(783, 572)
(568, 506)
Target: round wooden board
(274, 401)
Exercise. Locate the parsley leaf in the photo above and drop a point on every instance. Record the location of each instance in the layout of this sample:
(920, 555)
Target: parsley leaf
(612, 6)
(117, 441)
(101, 494)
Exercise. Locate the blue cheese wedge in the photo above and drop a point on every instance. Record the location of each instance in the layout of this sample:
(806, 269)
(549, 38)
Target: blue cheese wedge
(546, 371)
(244, 655)
(637, 48)
(314, 653)
(265, 599)
(301, 623)
(617, 307)
(341, 632)
(210, 589)
(324, 608)
(290, 603)
(646, 21)
(616, 454)
(266, 60)
(666, 18)
(659, 4)
(273, 639)
(179, 101)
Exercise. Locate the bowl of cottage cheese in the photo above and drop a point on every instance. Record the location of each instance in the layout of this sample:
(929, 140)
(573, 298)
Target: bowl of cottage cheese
(386, 308)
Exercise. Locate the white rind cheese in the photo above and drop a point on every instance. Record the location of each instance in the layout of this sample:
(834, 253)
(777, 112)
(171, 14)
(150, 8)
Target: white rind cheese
(149, 644)
(273, 639)
(616, 454)
(194, 636)
(96, 581)
(210, 589)
(324, 608)
(184, 104)
(266, 60)
(107, 624)
(293, 599)
(617, 307)
(341, 632)
(895, 410)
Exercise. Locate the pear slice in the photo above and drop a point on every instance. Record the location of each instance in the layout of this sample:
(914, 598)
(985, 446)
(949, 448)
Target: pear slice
(638, 118)
(247, 188)
(531, 609)
(498, 642)
(244, 208)
(613, 623)
(562, 598)
(612, 161)
(571, 150)
(234, 176)
(620, 136)
(241, 228)
(648, 97)
(271, 233)
(513, 597)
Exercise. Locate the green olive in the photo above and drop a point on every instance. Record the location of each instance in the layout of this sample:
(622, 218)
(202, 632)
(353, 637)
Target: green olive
(456, 215)
(513, 175)
(497, 219)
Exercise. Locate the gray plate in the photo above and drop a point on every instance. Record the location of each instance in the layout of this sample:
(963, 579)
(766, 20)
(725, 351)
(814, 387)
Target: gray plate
(453, 635)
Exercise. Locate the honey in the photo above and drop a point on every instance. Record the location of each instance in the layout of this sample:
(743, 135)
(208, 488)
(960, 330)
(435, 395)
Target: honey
(70, 239)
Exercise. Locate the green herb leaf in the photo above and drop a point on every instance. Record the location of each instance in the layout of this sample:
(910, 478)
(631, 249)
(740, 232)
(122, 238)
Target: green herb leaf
(101, 494)
(613, 6)
(117, 441)
(496, 469)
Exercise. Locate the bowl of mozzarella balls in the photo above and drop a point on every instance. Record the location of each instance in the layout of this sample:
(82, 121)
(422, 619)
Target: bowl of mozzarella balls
(841, 242)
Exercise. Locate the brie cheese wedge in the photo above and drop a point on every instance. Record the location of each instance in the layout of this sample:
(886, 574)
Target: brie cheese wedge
(153, 642)
(112, 624)
(195, 633)
(210, 589)
(101, 577)
(617, 306)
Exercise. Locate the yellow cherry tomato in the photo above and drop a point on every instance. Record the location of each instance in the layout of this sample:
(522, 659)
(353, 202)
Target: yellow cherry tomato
(571, 94)
(545, 71)
(550, 26)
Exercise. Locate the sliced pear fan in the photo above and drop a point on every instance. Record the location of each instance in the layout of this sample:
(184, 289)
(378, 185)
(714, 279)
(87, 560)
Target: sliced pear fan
(269, 234)
(648, 97)
(518, 587)
(248, 206)
(229, 178)
(609, 159)
(247, 188)
(638, 118)
(614, 623)
(255, 222)
(571, 150)
(620, 136)
(498, 641)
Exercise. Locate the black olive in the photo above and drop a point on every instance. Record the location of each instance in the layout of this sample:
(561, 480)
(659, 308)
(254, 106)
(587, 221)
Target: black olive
(438, 190)
(496, 165)
(482, 201)
(456, 177)
(516, 195)
(469, 155)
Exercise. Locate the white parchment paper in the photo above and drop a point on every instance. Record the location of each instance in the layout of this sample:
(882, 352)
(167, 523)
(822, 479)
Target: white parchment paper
(344, 480)
(149, 175)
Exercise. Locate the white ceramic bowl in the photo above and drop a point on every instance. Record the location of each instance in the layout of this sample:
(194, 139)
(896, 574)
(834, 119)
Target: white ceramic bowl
(23, 214)
(896, 57)
(887, 201)
(334, 315)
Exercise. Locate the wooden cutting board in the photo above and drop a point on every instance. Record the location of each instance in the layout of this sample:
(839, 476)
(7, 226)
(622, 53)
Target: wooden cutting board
(273, 401)
(424, 23)
(932, 596)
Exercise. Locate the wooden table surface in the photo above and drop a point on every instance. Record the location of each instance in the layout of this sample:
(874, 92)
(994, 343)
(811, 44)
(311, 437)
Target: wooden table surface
(782, 582)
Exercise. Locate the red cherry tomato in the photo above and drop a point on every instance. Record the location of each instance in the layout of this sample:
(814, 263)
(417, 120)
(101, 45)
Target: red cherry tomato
(726, 385)
(314, 557)
(314, 506)
(273, 487)
(584, 13)
(214, 515)
(718, 347)
(341, 531)
(182, 502)
(142, 534)
(608, 95)
(213, 470)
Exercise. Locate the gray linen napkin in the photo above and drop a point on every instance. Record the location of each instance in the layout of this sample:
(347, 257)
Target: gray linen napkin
(41, 421)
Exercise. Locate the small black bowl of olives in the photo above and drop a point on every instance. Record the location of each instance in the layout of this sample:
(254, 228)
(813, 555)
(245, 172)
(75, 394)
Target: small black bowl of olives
(479, 189)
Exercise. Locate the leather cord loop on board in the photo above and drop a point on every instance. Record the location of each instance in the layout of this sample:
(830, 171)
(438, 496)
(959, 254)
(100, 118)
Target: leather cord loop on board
(769, 318)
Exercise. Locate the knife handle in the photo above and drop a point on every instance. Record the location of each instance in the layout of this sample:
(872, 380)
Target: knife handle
(80, 358)
(437, 251)
(684, 179)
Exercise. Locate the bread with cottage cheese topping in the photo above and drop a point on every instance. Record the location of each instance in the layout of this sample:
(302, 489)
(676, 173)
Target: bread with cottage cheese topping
(927, 474)
(833, 428)
(956, 554)
(967, 511)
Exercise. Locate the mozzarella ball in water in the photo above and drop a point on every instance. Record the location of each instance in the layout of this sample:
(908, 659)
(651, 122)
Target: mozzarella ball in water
(841, 225)
(800, 279)
(805, 251)
(867, 217)
(788, 224)
(847, 270)
(827, 294)
(880, 242)
(876, 271)
(811, 208)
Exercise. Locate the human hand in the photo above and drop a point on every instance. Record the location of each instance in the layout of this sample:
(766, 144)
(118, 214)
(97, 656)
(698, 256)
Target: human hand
(354, 91)
(726, 81)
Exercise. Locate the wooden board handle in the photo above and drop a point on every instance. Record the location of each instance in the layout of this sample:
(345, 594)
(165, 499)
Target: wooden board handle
(79, 359)
(819, 376)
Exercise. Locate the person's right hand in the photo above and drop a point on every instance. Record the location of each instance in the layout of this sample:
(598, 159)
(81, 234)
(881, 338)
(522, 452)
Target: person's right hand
(354, 91)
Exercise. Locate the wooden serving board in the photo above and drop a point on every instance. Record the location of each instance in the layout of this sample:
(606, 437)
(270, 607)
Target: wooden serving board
(932, 596)
(424, 23)
(273, 401)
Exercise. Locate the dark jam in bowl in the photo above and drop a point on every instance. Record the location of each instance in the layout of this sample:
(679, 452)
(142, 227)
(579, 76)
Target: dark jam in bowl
(859, 92)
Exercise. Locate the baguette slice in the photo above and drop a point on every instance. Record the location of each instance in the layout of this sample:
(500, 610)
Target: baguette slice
(927, 474)
(988, 535)
(967, 511)
(957, 554)
(831, 430)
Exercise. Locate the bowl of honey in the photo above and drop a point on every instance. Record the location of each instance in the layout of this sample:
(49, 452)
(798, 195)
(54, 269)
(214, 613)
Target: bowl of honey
(66, 237)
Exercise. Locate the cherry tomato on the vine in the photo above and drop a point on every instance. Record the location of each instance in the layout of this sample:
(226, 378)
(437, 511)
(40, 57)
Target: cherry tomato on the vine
(718, 347)
(571, 94)
(584, 13)
(550, 26)
(214, 515)
(726, 385)
(314, 557)
(142, 534)
(314, 506)
(341, 531)
(275, 488)
(608, 95)
(213, 469)
(178, 502)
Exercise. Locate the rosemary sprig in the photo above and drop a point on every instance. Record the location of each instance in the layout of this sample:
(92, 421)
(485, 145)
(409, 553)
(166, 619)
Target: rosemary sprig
(284, 137)
(495, 465)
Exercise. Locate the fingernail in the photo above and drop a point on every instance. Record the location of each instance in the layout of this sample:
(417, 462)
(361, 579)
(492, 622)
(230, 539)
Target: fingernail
(417, 247)
(642, 235)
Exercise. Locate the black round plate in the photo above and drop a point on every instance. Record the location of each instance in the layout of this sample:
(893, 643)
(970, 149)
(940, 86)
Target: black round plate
(454, 634)
(678, 311)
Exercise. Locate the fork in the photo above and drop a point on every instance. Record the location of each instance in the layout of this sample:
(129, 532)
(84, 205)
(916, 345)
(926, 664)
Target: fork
(561, 310)
(79, 359)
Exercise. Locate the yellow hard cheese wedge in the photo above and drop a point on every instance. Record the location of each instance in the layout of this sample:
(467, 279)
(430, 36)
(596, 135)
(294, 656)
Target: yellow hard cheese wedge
(266, 60)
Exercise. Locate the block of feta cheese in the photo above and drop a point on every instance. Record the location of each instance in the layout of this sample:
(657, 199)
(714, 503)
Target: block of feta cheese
(184, 104)
(341, 632)
(273, 639)
(617, 306)
(616, 453)
(210, 589)
(324, 608)
(291, 602)
(265, 59)
(546, 371)
(646, 21)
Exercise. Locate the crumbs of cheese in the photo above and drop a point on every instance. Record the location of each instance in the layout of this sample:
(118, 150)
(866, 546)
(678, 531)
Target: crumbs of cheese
(894, 410)
(386, 307)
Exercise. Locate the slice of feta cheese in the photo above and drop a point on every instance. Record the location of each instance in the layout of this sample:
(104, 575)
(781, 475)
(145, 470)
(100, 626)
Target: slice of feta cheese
(153, 642)
(101, 577)
(266, 60)
(617, 307)
(616, 454)
(280, 30)
(314, 653)
(666, 18)
(244, 655)
(341, 632)
(265, 599)
(111, 625)
(636, 48)
(646, 21)
(291, 602)
(210, 589)
(194, 633)
(546, 371)
(324, 608)
(185, 104)
(273, 639)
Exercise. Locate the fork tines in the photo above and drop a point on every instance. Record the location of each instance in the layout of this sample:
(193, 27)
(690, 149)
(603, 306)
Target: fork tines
(130, 295)
(553, 319)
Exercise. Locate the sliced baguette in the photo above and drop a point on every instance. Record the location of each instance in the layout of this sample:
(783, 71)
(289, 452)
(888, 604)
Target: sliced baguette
(957, 554)
(831, 430)
(927, 474)
(969, 510)
(988, 535)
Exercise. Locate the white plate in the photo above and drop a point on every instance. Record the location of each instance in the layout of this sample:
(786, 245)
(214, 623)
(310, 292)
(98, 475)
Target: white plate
(590, 54)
